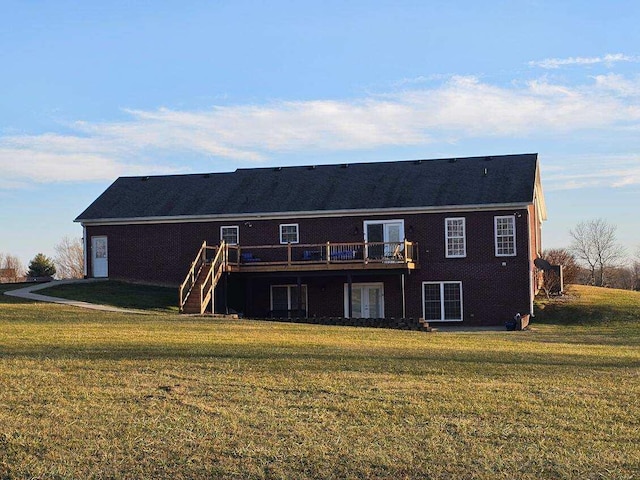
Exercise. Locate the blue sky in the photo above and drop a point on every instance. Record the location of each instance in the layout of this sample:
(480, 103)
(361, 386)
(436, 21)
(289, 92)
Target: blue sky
(91, 90)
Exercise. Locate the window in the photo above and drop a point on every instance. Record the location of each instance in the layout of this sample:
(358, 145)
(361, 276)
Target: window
(229, 235)
(455, 237)
(289, 233)
(505, 230)
(442, 301)
(284, 300)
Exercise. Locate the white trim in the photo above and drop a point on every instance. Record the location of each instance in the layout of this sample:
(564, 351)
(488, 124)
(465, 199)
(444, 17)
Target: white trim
(538, 196)
(532, 280)
(442, 301)
(289, 287)
(231, 218)
(446, 237)
(495, 235)
(289, 225)
(85, 252)
(363, 285)
(237, 233)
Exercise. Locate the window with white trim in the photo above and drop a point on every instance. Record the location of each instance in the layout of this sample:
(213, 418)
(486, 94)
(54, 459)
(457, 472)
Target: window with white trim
(229, 234)
(455, 237)
(505, 236)
(284, 299)
(289, 233)
(442, 301)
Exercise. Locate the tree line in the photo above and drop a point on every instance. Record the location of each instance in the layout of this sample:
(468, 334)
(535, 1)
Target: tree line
(595, 257)
(68, 262)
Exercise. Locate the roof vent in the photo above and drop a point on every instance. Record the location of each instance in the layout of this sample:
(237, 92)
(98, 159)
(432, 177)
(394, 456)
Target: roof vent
(311, 167)
(484, 174)
(453, 160)
(344, 165)
(277, 169)
(144, 179)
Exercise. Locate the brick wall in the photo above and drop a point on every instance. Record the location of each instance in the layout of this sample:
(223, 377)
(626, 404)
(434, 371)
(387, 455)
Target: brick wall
(494, 288)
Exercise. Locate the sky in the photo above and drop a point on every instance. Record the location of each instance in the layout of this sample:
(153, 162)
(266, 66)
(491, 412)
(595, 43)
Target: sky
(90, 91)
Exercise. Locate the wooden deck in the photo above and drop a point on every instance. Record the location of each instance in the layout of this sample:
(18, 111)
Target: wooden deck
(322, 257)
(197, 290)
(320, 266)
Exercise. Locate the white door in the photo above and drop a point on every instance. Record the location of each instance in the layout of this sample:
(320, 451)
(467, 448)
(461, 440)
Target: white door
(367, 300)
(99, 257)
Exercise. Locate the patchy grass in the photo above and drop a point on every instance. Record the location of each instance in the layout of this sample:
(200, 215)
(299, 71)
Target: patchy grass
(103, 395)
(119, 294)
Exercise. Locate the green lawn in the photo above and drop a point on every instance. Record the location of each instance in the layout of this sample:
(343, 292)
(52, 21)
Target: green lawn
(89, 394)
(120, 294)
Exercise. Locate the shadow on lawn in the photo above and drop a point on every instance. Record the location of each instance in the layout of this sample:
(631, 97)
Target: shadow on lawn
(317, 358)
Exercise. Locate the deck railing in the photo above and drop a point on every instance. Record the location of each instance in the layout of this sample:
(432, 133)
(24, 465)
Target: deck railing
(323, 253)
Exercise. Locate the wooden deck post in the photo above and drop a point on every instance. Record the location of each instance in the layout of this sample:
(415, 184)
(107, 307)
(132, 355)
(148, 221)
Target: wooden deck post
(349, 296)
(289, 253)
(404, 301)
(328, 253)
(299, 279)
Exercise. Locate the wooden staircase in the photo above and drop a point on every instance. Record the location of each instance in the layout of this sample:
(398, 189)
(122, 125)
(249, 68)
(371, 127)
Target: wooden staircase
(197, 290)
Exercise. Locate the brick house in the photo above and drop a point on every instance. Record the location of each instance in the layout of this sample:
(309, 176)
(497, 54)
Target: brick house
(447, 240)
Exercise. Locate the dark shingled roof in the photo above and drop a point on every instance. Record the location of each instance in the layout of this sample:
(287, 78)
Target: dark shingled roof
(384, 185)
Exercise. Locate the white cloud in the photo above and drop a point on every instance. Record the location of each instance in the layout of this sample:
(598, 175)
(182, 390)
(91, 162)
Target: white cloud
(609, 60)
(588, 171)
(459, 108)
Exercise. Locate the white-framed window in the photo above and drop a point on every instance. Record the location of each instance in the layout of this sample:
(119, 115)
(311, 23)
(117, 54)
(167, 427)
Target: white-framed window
(289, 233)
(284, 299)
(230, 234)
(442, 301)
(455, 237)
(505, 235)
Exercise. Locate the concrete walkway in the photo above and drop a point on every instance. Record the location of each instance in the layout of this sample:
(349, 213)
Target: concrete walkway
(27, 294)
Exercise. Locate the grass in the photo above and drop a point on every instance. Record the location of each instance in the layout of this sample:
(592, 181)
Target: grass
(120, 294)
(103, 395)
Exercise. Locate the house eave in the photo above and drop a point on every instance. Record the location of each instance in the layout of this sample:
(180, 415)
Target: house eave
(255, 216)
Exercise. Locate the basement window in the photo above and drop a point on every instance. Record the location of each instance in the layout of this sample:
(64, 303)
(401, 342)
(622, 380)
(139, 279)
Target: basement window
(442, 301)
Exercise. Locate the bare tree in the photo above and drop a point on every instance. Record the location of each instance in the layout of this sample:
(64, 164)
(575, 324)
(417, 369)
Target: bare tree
(69, 258)
(635, 270)
(13, 267)
(595, 244)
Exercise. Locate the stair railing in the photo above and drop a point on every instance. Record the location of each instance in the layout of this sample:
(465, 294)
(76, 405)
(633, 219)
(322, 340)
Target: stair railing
(192, 275)
(213, 275)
